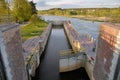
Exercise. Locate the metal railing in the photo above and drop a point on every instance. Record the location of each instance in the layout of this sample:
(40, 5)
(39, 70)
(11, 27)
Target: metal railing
(71, 53)
(77, 56)
(71, 59)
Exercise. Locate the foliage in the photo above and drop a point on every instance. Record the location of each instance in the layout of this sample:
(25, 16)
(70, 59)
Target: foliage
(31, 30)
(22, 10)
(34, 19)
(34, 11)
(3, 8)
(115, 15)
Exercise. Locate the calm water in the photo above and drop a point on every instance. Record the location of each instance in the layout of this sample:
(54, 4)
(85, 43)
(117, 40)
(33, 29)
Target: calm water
(49, 67)
(79, 74)
(82, 26)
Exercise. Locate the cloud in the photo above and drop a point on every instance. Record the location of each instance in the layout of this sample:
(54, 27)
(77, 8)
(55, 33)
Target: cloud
(63, 2)
(47, 4)
(36, 1)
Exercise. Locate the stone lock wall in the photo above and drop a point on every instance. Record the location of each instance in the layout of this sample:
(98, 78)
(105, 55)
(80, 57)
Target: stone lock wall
(107, 52)
(11, 50)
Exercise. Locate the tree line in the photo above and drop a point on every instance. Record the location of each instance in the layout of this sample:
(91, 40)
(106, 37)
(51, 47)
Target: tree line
(113, 13)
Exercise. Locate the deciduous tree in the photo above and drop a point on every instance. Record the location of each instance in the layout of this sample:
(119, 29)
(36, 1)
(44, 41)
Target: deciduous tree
(34, 10)
(22, 10)
(3, 7)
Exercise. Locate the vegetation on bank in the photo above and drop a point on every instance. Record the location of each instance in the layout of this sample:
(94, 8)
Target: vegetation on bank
(35, 28)
(108, 14)
(20, 11)
(3, 7)
(3, 11)
(23, 11)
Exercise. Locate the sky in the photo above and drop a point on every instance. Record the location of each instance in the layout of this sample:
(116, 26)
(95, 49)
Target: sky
(47, 4)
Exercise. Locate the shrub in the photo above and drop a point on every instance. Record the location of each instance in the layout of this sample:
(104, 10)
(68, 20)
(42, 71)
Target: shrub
(34, 19)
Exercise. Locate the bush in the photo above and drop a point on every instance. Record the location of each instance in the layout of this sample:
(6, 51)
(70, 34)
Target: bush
(34, 19)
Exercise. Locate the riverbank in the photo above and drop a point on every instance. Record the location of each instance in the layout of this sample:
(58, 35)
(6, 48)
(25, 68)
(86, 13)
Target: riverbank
(91, 18)
(31, 30)
(92, 14)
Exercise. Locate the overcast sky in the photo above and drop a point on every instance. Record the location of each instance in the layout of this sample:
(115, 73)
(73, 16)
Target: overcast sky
(47, 4)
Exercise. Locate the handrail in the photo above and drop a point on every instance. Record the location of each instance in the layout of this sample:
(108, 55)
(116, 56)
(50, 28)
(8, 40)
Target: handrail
(70, 53)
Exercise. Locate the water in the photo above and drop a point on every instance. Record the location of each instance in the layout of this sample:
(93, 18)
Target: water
(49, 67)
(82, 26)
(79, 74)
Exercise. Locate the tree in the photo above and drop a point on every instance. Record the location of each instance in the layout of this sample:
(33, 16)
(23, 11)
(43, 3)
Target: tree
(3, 7)
(3, 11)
(33, 7)
(22, 10)
(34, 19)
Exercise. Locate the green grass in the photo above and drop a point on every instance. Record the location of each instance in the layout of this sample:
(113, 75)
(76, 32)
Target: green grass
(32, 30)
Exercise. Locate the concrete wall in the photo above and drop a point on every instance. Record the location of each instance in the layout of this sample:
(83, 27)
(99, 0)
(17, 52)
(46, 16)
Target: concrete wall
(56, 22)
(44, 37)
(31, 55)
(73, 37)
(11, 52)
(89, 65)
(71, 67)
(118, 78)
(107, 52)
(73, 41)
(117, 70)
(74, 64)
(32, 50)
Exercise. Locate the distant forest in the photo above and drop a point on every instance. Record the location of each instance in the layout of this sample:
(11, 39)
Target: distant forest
(112, 13)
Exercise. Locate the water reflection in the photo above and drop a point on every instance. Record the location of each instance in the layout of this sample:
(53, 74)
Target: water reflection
(49, 67)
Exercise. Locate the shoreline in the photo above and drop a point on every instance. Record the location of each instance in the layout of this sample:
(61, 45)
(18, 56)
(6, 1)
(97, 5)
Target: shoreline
(91, 18)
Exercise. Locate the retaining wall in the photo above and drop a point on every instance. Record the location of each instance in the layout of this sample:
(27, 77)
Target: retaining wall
(44, 37)
(107, 59)
(11, 52)
(33, 48)
(72, 36)
(57, 22)
(82, 41)
(73, 63)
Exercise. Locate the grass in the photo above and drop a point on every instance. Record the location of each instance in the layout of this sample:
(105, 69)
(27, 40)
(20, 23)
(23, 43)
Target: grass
(32, 30)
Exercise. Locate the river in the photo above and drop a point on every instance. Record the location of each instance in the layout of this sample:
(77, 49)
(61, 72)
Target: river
(82, 26)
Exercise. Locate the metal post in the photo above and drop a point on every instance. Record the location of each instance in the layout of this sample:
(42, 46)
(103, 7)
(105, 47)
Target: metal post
(84, 60)
(76, 57)
(68, 59)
